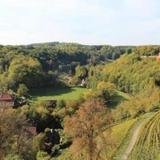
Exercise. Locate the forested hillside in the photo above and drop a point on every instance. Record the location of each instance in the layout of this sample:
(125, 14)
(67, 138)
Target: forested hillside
(43, 63)
(75, 102)
(132, 73)
(137, 76)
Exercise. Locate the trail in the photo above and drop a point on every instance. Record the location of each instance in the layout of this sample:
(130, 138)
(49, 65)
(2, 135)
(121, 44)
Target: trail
(132, 142)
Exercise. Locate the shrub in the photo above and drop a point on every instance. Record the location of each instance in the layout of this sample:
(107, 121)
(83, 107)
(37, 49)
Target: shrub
(12, 157)
(22, 90)
(61, 103)
(41, 155)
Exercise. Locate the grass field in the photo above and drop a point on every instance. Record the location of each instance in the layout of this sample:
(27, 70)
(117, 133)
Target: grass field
(118, 134)
(57, 94)
(148, 144)
(127, 137)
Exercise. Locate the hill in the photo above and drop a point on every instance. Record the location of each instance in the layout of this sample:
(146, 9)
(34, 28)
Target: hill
(115, 115)
(131, 73)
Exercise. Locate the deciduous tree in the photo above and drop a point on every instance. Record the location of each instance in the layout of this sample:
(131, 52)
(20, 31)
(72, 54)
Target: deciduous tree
(85, 126)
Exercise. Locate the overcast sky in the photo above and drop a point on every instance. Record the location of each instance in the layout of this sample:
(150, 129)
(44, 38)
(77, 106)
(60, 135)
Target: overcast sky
(115, 22)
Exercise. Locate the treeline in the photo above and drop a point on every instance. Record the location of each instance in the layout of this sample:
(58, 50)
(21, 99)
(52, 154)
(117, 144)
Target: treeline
(44, 63)
(64, 56)
(147, 50)
(40, 65)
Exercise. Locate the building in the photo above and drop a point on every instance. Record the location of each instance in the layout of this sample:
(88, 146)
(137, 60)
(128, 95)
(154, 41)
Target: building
(6, 100)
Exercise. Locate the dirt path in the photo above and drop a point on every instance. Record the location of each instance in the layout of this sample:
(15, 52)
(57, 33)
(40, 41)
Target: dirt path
(132, 142)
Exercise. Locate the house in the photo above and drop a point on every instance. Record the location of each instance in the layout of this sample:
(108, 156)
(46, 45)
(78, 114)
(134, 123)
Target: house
(6, 100)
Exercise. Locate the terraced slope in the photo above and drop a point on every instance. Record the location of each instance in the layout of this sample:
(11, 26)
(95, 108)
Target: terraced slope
(129, 142)
(132, 142)
(147, 147)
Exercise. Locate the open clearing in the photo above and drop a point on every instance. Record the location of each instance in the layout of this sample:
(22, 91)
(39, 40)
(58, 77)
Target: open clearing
(57, 94)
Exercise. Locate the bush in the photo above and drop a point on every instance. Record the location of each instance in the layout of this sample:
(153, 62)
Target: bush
(41, 155)
(61, 104)
(22, 90)
(12, 157)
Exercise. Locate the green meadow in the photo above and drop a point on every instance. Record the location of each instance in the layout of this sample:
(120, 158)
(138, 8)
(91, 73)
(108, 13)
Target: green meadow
(57, 94)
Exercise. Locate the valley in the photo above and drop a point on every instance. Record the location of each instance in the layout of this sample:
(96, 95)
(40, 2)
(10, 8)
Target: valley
(74, 102)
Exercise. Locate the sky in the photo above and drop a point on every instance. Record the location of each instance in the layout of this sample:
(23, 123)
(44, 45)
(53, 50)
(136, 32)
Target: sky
(114, 22)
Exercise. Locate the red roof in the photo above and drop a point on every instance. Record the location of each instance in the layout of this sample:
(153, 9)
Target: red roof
(6, 97)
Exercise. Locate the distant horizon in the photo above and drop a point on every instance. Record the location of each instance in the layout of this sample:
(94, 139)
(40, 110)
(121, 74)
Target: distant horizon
(70, 42)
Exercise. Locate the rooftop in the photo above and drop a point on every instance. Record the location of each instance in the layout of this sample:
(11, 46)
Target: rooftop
(6, 97)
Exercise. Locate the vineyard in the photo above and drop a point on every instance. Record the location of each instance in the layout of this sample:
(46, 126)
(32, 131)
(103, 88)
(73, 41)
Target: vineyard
(147, 146)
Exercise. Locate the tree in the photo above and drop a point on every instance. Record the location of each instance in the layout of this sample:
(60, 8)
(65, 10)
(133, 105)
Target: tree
(81, 72)
(85, 125)
(106, 90)
(25, 70)
(14, 137)
(22, 90)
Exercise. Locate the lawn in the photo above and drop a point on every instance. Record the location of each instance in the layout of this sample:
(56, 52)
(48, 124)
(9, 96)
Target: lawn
(57, 94)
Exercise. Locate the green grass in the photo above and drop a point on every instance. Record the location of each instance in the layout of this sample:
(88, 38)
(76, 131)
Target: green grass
(119, 131)
(57, 94)
(129, 134)
(148, 144)
(118, 134)
(122, 133)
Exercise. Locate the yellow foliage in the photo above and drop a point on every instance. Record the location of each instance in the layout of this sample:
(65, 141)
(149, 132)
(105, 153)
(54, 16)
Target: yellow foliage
(106, 85)
(88, 94)
(41, 110)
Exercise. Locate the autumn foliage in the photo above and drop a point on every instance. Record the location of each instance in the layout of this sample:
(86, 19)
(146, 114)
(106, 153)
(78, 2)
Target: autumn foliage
(84, 126)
